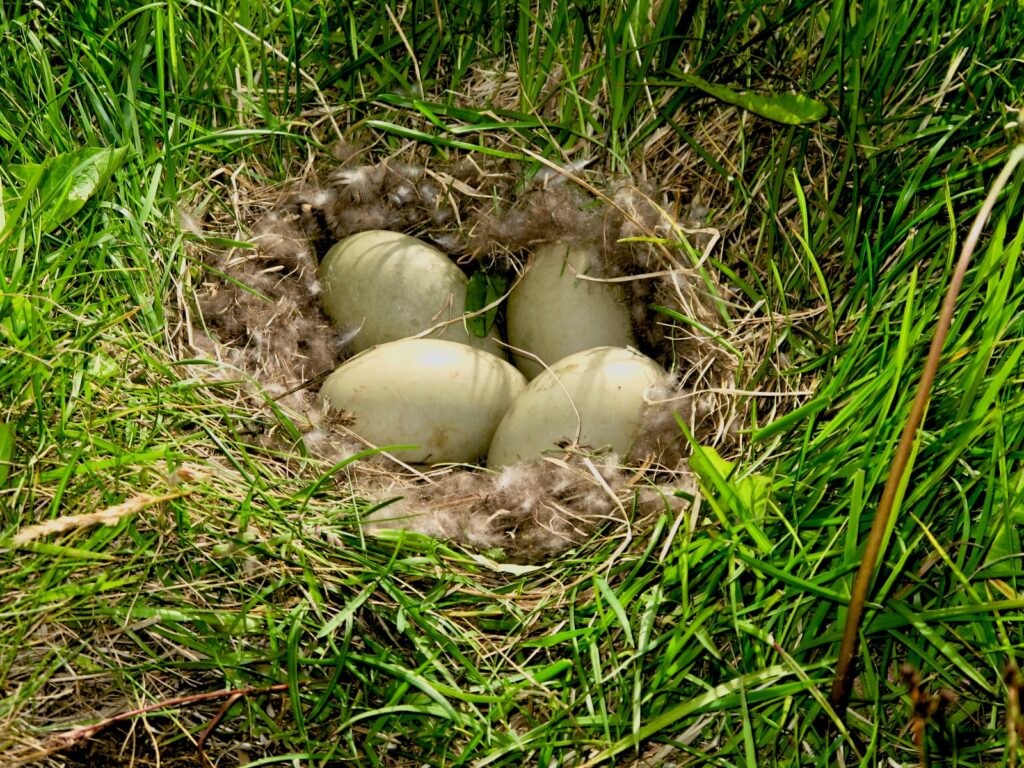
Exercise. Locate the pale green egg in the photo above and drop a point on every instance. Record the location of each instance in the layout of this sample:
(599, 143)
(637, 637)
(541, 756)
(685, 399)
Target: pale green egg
(595, 398)
(553, 312)
(392, 286)
(443, 397)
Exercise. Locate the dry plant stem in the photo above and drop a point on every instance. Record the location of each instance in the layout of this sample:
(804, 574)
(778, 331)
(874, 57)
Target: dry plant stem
(63, 741)
(1012, 679)
(212, 725)
(843, 684)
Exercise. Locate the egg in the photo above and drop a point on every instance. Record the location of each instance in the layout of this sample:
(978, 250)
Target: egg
(392, 286)
(443, 397)
(552, 313)
(594, 398)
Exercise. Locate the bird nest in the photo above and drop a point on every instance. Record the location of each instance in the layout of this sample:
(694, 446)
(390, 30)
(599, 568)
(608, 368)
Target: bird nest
(256, 314)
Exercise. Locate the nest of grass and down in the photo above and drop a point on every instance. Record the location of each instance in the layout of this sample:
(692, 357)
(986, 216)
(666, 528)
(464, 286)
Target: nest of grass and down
(258, 312)
(488, 215)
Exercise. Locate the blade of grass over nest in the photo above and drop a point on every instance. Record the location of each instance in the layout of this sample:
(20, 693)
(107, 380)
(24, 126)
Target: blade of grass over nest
(793, 109)
(427, 138)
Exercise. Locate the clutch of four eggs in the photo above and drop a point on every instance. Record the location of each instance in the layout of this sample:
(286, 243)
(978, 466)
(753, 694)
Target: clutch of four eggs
(452, 396)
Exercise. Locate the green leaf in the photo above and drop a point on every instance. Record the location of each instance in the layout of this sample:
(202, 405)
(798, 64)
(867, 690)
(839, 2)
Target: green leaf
(1004, 554)
(69, 180)
(6, 451)
(18, 319)
(620, 613)
(751, 492)
(788, 108)
(102, 366)
(437, 141)
(483, 290)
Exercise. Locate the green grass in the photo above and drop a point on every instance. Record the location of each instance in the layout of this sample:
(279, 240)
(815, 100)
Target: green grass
(712, 643)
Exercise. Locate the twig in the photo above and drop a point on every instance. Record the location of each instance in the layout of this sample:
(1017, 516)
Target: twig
(213, 724)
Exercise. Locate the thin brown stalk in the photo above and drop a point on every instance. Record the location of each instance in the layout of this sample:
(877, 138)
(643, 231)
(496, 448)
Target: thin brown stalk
(843, 684)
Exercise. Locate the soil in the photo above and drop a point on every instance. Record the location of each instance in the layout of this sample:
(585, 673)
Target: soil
(124, 745)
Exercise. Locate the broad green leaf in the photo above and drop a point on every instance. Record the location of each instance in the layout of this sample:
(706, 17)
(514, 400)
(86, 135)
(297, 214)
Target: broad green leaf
(788, 108)
(70, 179)
(102, 366)
(751, 492)
(483, 290)
(745, 500)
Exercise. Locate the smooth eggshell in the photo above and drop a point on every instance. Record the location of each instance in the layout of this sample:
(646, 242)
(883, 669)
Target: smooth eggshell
(606, 385)
(443, 397)
(552, 313)
(394, 286)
